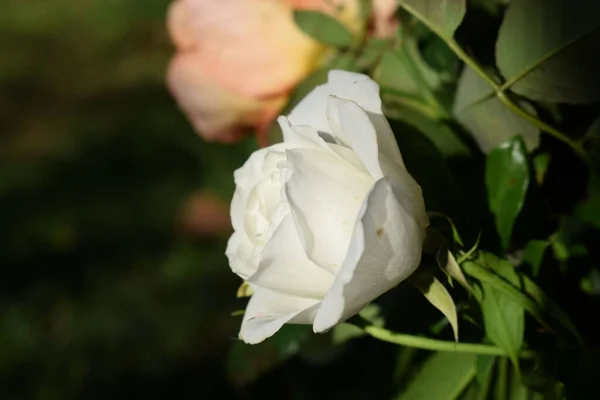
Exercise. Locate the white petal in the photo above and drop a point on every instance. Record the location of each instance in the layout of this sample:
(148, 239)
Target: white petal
(385, 249)
(254, 170)
(255, 166)
(348, 155)
(251, 170)
(325, 194)
(262, 202)
(356, 87)
(350, 86)
(352, 127)
(284, 266)
(254, 207)
(303, 136)
(385, 138)
(365, 92)
(267, 311)
(311, 110)
(239, 251)
(238, 208)
(405, 185)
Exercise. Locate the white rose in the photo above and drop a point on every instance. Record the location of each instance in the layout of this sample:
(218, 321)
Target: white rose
(329, 219)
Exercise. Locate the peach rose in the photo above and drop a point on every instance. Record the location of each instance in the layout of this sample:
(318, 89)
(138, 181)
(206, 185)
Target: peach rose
(238, 60)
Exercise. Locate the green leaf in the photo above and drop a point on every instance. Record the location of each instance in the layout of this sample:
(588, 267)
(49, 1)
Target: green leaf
(372, 52)
(588, 210)
(444, 376)
(455, 235)
(563, 249)
(507, 179)
(548, 50)
(395, 73)
(517, 390)
(247, 362)
(344, 61)
(441, 16)
(441, 58)
(323, 28)
(478, 109)
(436, 245)
(485, 367)
(501, 384)
(442, 136)
(550, 308)
(470, 393)
(540, 165)
(406, 80)
(466, 255)
(566, 242)
(590, 283)
(533, 254)
(503, 317)
(405, 361)
(437, 295)
(457, 240)
(530, 296)
(455, 272)
(405, 71)
(541, 379)
(485, 364)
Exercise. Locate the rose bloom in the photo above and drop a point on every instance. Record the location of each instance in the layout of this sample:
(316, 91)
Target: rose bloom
(238, 60)
(329, 219)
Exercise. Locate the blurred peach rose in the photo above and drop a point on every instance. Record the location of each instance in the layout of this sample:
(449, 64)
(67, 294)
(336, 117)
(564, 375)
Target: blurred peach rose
(238, 60)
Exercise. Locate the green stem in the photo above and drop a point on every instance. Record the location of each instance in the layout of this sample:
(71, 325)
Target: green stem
(436, 345)
(453, 46)
(464, 57)
(499, 89)
(415, 105)
(502, 379)
(465, 256)
(575, 145)
(486, 384)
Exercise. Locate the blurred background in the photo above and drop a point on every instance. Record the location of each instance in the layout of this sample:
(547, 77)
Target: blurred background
(113, 284)
(109, 286)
